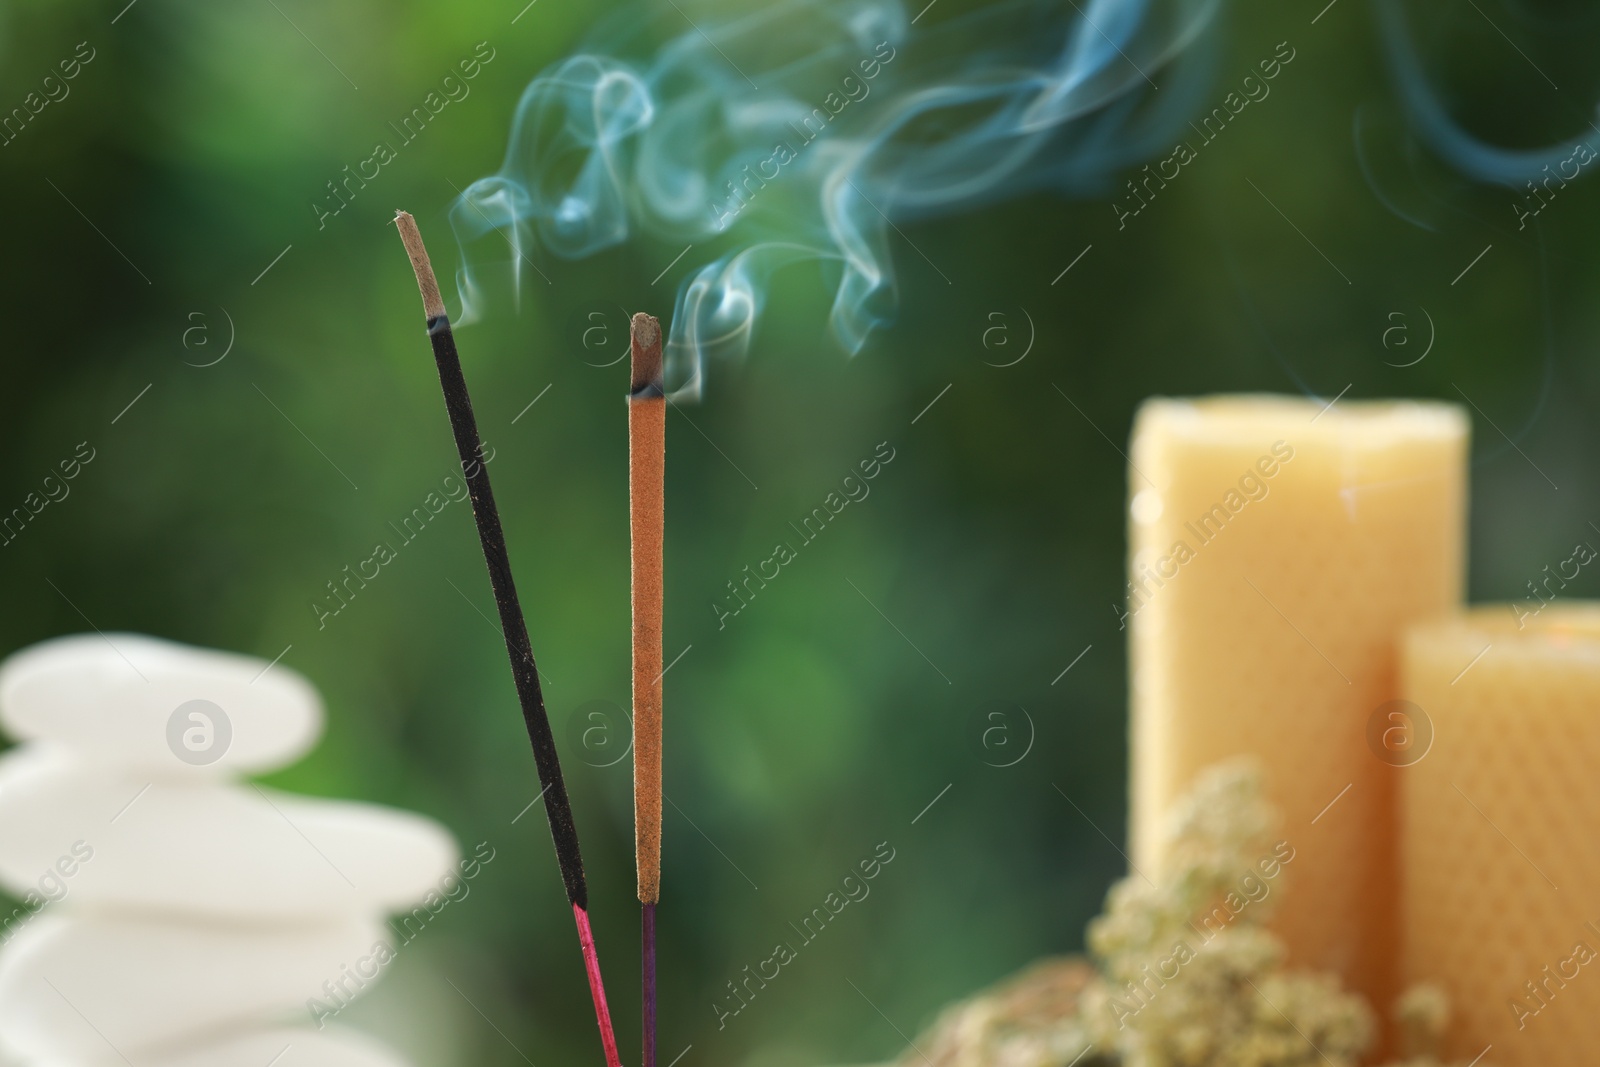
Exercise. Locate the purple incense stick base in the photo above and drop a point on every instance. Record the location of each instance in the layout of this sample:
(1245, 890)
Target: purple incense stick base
(648, 963)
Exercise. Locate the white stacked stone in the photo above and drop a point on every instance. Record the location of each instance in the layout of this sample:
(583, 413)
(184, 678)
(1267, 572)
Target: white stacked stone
(188, 917)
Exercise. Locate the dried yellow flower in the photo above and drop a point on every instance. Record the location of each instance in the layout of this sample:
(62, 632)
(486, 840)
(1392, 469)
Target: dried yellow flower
(1187, 975)
(1190, 978)
(1029, 1020)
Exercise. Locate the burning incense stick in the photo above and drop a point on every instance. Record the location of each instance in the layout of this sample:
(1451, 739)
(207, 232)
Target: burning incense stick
(523, 670)
(647, 444)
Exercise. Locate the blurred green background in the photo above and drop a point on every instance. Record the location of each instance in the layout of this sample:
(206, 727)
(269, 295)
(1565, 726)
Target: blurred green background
(860, 684)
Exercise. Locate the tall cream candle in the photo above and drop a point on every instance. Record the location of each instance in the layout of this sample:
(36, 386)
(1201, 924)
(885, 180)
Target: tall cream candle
(1500, 829)
(1278, 548)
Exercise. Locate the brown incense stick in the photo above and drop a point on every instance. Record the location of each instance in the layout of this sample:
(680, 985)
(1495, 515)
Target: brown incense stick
(647, 443)
(525, 673)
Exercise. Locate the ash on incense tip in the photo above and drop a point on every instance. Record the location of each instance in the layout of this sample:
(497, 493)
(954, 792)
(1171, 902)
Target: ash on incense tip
(645, 334)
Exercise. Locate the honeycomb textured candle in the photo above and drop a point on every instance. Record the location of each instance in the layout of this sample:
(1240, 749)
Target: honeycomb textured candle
(1499, 824)
(1278, 547)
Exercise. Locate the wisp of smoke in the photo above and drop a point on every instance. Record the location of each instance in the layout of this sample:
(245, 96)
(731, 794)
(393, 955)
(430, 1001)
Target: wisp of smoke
(809, 129)
(1431, 119)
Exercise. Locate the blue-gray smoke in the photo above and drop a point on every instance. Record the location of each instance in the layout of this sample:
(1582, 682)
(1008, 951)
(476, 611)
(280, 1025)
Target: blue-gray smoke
(1432, 120)
(810, 129)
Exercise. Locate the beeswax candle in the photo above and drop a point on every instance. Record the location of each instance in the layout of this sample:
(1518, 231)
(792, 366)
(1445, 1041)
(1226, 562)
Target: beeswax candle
(1500, 830)
(1278, 548)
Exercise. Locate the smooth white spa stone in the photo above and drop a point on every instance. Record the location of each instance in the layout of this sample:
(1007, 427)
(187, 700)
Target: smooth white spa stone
(205, 849)
(74, 989)
(278, 1047)
(113, 696)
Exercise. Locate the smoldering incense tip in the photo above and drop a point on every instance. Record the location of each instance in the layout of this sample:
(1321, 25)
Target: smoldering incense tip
(645, 337)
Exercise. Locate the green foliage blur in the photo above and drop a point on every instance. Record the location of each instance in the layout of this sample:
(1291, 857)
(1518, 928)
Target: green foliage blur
(871, 676)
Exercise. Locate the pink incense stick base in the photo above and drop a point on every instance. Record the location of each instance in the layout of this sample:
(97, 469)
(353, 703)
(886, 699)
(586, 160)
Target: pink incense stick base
(597, 989)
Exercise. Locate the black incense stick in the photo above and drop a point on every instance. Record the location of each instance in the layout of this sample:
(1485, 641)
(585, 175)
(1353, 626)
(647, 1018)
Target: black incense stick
(523, 669)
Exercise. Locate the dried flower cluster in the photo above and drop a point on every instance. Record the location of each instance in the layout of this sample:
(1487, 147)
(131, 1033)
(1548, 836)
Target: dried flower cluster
(1185, 973)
